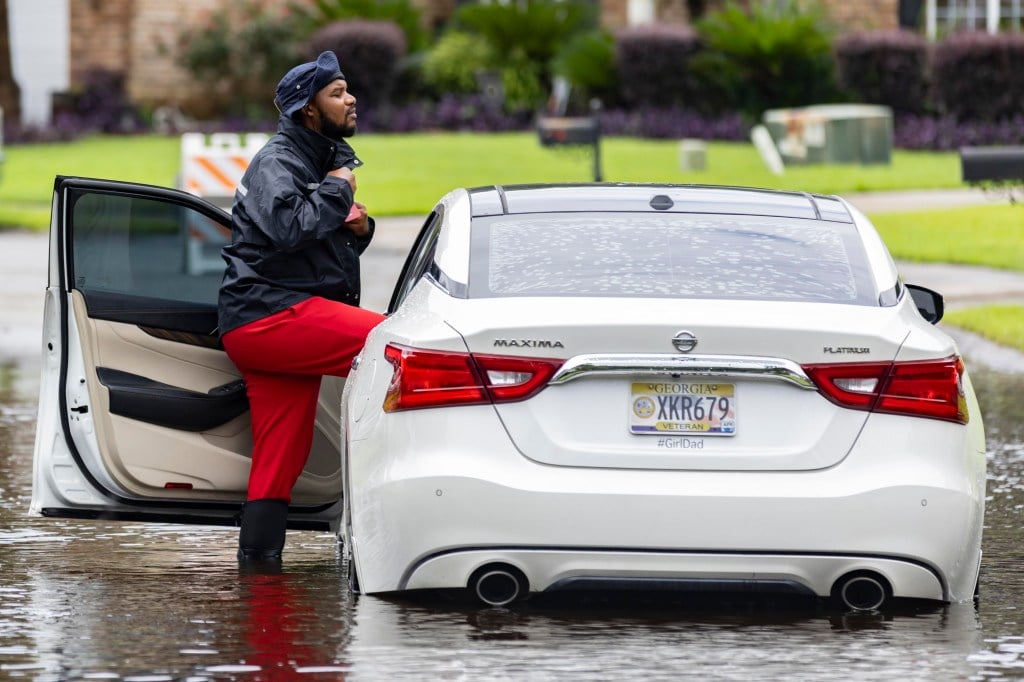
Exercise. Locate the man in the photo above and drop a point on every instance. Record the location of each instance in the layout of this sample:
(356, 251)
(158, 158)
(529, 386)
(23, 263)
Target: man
(289, 300)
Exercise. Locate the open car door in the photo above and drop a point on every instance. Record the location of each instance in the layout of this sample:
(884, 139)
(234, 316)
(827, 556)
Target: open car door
(142, 416)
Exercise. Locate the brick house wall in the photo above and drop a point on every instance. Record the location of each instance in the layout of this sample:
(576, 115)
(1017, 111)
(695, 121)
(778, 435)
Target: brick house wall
(863, 15)
(100, 33)
(846, 15)
(137, 37)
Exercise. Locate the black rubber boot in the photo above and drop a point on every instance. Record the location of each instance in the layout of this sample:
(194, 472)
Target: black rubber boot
(261, 537)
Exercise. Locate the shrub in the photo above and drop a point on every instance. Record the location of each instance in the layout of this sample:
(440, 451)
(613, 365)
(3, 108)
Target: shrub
(407, 16)
(473, 113)
(522, 85)
(654, 65)
(239, 55)
(673, 123)
(452, 112)
(370, 53)
(979, 77)
(452, 64)
(945, 133)
(587, 62)
(524, 37)
(101, 105)
(778, 55)
(462, 63)
(885, 67)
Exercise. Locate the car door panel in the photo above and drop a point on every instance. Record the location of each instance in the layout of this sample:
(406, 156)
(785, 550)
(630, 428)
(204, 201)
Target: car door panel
(153, 411)
(148, 460)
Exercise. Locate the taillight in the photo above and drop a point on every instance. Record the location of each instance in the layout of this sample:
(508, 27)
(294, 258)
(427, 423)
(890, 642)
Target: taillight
(431, 378)
(927, 388)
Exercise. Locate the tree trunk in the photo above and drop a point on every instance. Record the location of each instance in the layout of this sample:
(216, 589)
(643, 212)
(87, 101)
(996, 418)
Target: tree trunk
(10, 93)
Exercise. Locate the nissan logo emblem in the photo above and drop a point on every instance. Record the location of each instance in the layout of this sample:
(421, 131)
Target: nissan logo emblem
(684, 341)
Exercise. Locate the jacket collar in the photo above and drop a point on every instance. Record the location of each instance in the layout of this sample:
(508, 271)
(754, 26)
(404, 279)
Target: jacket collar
(318, 149)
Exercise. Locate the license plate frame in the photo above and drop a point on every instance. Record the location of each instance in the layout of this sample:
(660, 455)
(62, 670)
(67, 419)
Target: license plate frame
(690, 408)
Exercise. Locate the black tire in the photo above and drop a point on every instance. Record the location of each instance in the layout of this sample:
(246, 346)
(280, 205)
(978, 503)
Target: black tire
(353, 578)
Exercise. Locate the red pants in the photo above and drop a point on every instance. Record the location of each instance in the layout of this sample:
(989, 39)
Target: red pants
(282, 358)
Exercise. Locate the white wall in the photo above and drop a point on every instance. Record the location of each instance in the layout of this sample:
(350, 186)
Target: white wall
(39, 52)
(640, 12)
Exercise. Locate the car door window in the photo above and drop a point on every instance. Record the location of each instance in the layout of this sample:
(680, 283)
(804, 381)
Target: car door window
(130, 248)
(419, 261)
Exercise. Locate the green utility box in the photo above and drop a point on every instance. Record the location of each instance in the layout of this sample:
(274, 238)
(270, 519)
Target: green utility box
(832, 133)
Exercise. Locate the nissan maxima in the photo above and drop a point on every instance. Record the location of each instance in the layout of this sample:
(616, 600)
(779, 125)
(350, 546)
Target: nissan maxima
(576, 387)
(640, 386)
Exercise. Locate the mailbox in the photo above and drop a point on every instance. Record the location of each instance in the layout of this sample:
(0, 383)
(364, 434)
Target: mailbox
(567, 130)
(992, 164)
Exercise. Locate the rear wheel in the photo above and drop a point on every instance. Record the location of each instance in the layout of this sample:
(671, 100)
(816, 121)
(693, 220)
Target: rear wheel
(353, 578)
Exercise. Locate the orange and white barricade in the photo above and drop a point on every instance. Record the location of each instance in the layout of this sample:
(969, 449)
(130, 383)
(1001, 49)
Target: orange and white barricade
(211, 168)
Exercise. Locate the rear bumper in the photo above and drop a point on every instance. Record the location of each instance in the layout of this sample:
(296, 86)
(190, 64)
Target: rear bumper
(556, 569)
(928, 552)
(907, 504)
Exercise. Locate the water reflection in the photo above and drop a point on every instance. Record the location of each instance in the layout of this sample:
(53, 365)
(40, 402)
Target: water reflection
(132, 601)
(741, 639)
(92, 612)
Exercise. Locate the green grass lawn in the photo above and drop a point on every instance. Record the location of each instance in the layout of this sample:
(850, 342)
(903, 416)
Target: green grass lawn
(26, 186)
(407, 173)
(992, 236)
(1003, 324)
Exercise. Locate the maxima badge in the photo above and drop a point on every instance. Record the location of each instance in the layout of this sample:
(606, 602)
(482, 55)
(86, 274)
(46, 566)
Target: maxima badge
(684, 341)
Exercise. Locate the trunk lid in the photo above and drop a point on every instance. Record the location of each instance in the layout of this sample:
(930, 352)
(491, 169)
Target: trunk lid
(626, 397)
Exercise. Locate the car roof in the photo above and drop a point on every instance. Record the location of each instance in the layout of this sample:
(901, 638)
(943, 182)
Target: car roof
(654, 198)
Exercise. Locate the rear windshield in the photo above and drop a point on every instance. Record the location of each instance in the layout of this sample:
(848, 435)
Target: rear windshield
(668, 256)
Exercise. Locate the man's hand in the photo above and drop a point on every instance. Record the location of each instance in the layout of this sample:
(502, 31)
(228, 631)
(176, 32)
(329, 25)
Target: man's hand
(346, 175)
(360, 224)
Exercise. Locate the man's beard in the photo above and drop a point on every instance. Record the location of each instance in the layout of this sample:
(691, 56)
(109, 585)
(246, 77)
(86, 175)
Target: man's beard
(335, 131)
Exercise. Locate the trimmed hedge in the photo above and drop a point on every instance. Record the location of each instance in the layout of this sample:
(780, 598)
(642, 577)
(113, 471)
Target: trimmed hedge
(885, 67)
(370, 53)
(978, 76)
(673, 123)
(945, 133)
(473, 114)
(653, 65)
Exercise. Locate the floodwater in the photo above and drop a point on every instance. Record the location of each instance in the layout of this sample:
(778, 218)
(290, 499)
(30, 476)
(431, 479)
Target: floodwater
(147, 602)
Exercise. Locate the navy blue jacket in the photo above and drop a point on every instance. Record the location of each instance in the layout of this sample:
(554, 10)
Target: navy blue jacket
(289, 241)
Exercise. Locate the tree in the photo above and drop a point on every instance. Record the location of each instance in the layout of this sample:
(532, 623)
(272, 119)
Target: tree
(10, 93)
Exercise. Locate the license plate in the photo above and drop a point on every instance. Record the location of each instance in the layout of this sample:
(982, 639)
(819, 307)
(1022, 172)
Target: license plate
(671, 407)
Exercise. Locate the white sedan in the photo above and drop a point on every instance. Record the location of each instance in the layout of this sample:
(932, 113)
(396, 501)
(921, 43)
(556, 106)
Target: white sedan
(667, 387)
(577, 387)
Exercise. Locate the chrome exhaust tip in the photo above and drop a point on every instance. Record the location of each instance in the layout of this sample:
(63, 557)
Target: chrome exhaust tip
(862, 591)
(498, 584)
